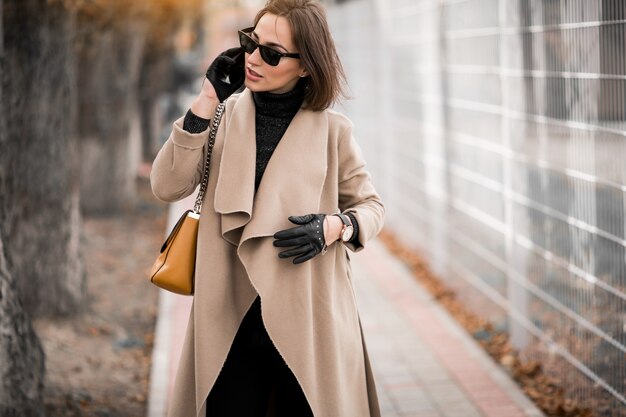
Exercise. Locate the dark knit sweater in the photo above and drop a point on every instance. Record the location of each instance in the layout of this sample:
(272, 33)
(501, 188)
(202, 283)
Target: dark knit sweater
(274, 112)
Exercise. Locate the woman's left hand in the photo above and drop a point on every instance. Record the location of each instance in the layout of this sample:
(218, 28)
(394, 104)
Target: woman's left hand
(308, 238)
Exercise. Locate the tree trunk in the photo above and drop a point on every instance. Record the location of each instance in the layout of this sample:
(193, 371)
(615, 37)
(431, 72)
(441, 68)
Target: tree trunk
(109, 123)
(154, 69)
(162, 72)
(39, 214)
(21, 356)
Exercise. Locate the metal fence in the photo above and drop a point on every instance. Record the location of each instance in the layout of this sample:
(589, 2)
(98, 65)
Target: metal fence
(495, 131)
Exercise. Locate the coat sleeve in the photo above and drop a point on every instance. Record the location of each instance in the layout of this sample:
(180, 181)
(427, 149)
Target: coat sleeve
(356, 192)
(177, 168)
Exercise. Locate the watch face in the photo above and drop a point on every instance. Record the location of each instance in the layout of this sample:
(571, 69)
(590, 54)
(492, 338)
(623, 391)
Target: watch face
(347, 234)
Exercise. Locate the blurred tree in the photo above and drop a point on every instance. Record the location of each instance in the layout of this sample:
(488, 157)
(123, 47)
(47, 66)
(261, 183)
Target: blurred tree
(159, 71)
(39, 209)
(121, 45)
(21, 356)
(109, 47)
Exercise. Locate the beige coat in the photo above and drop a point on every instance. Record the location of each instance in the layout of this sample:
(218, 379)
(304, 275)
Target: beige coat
(309, 310)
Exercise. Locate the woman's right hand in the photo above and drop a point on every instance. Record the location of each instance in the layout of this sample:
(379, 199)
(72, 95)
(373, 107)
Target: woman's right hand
(226, 75)
(226, 72)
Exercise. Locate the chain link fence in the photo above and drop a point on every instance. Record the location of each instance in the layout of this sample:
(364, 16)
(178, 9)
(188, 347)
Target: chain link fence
(495, 130)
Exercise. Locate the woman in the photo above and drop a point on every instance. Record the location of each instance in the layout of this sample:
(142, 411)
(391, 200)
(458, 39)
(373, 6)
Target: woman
(274, 329)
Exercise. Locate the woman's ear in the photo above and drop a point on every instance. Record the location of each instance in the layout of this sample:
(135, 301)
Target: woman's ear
(303, 72)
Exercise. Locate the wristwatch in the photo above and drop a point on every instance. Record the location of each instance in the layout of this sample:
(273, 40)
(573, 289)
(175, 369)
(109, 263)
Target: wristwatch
(348, 230)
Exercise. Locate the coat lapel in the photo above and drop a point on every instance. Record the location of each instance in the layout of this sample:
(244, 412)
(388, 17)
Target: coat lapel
(291, 184)
(234, 192)
(293, 179)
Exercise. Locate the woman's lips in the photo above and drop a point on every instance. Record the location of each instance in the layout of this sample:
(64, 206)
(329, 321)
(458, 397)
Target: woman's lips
(252, 75)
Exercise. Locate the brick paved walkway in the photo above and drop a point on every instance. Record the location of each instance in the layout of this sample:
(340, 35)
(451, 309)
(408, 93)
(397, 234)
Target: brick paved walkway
(425, 364)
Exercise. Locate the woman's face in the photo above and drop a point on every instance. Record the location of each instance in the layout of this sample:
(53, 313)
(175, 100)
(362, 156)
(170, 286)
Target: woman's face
(273, 31)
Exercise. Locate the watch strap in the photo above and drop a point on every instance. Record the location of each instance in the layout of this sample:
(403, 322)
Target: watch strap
(344, 219)
(355, 227)
(347, 225)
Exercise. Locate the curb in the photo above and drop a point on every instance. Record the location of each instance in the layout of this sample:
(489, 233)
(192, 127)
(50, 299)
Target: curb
(159, 372)
(168, 337)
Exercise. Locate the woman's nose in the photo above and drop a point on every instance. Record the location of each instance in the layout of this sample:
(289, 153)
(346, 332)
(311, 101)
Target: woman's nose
(255, 57)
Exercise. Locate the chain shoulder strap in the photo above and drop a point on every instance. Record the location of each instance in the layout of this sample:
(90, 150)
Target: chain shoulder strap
(215, 123)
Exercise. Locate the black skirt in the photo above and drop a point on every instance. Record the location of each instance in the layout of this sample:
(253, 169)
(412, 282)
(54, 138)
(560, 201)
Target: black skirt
(255, 380)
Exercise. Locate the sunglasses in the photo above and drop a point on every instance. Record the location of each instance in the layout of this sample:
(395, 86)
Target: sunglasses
(269, 55)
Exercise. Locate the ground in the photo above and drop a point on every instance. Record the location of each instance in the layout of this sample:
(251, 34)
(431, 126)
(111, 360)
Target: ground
(98, 361)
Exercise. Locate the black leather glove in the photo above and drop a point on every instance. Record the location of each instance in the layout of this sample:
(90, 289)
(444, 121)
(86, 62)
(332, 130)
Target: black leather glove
(308, 237)
(226, 72)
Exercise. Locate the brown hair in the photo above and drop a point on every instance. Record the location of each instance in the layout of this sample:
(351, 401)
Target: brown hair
(312, 38)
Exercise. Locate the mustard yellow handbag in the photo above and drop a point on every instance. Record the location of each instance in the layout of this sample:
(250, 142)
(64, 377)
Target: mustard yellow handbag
(175, 266)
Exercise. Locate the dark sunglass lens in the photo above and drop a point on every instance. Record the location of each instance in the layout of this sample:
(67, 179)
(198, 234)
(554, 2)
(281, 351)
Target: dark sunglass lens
(269, 55)
(247, 43)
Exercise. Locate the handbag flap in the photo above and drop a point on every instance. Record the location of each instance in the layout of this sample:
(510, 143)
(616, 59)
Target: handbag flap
(175, 230)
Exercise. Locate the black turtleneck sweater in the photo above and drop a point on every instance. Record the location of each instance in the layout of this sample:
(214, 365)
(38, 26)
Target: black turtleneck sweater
(274, 112)
(273, 115)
